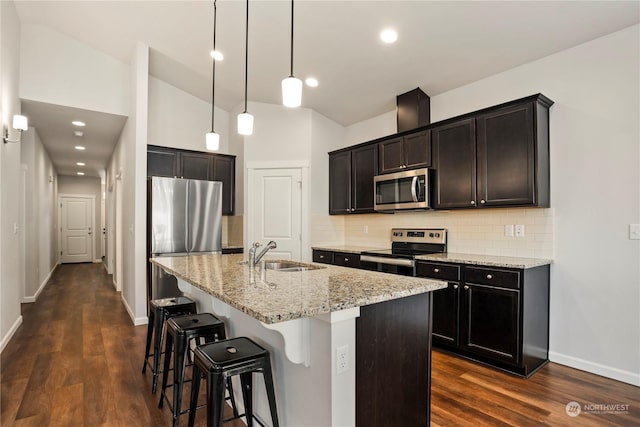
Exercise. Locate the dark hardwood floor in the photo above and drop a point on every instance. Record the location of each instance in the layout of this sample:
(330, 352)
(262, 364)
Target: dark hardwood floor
(76, 360)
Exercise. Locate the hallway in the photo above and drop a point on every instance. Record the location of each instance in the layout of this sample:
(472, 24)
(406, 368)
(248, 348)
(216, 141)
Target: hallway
(76, 359)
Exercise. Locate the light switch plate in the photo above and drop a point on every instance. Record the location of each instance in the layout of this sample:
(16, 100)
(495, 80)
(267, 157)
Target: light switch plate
(519, 230)
(508, 230)
(634, 231)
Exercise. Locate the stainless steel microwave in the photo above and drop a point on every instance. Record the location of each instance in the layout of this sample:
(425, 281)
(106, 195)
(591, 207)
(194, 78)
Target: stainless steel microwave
(402, 190)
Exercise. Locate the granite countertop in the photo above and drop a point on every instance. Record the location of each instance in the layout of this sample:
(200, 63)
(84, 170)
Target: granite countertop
(291, 295)
(346, 248)
(488, 260)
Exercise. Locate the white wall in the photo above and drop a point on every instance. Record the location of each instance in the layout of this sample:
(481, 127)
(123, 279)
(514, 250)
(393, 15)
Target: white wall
(180, 120)
(595, 191)
(39, 215)
(82, 185)
(10, 264)
(57, 69)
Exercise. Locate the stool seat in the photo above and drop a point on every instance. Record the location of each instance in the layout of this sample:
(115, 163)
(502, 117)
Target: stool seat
(159, 311)
(196, 324)
(221, 360)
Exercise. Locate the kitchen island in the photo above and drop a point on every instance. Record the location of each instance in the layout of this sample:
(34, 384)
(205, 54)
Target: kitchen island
(349, 347)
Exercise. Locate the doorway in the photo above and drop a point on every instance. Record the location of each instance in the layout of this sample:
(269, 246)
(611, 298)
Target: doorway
(76, 228)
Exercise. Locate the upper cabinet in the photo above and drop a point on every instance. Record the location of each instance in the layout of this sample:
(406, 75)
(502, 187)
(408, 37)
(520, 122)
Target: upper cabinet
(405, 152)
(351, 180)
(495, 157)
(171, 162)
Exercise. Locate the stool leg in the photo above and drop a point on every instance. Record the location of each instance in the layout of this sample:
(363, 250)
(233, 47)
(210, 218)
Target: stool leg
(233, 398)
(271, 394)
(195, 390)
(179, 355)
(149, 334)
(168, 349)
(157, 348)
(215, 399)
(246, 380)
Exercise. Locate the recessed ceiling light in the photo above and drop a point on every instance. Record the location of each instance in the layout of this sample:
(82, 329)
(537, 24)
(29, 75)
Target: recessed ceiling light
(388, 36)
(78, 133)
(79, 173)
(78, 123)
(311, 82)
(80, 147)
(80, 163)
(217, 55)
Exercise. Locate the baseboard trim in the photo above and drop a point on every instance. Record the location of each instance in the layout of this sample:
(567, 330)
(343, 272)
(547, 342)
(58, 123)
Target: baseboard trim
(34, 298)
(10, 333)
(628, 377)
(96, 261)
(136, 320)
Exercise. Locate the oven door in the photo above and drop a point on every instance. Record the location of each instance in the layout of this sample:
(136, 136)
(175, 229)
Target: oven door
(402, 190)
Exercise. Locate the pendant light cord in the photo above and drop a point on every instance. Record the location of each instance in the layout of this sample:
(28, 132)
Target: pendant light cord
(291, 75)
(246, 57)
(213, 82)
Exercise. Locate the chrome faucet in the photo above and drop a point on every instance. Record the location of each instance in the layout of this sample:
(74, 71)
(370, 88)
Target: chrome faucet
(253, 258)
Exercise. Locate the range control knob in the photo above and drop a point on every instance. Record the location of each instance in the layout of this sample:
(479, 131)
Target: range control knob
(430, 234)
(437, 234)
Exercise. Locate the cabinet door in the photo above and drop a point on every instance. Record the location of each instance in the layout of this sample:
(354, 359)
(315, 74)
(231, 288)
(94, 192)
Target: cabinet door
(491, 322)
(391, 155)
(417, 150)
(454, 160)
(364, 166)
(340, 183)
(445, 315)
(346, 259)
(506, 163)
(224, 170)
(324, 257)
(196, 166)
(162, 162)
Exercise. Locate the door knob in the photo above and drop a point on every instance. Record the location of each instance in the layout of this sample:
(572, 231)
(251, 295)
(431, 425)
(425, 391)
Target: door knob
(466, 288)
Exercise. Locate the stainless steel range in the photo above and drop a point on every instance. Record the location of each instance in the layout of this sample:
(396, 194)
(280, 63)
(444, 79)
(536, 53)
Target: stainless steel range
(407, 243)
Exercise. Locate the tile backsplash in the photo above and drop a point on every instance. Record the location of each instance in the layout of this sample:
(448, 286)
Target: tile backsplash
(479, 231)
(232, 230)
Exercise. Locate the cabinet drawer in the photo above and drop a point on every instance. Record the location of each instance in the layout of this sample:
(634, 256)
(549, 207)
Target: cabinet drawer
(492, 277)
(438, 271)
(325, 257)
(346, 259)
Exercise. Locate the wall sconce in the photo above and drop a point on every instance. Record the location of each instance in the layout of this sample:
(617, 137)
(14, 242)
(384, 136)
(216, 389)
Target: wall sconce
(20, 123)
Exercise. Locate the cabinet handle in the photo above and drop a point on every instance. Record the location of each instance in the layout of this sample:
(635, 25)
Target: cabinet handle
(321, 256)
(489, 276)
(353, 209)
(473, 202)
(455, 286)
(436, 270)
(346, 260)
(466, 288)
(482, 202)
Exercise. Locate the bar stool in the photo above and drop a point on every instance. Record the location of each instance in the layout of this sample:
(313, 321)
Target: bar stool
(181, 330)
(220, 361)
(160, 311)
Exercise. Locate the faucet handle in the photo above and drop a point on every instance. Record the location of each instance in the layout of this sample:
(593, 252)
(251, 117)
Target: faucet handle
(257, 244)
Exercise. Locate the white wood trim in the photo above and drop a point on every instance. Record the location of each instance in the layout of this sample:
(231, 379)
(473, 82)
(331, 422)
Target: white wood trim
(288, 164)
(93, 221)
(10, 333)
(136, 320)
(34, 298)
(596, 368)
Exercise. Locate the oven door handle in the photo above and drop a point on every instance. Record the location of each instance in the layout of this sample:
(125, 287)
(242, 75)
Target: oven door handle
(414, 185)
(385, 260)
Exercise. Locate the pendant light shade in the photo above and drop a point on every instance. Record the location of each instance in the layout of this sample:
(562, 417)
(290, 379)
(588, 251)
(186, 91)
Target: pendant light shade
(212, 138)
(213, 141)
(291, 86)
(292, 92)
(245, 120)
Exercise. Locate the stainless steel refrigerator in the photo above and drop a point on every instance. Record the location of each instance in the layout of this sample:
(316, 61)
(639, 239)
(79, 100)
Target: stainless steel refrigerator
(185, 218)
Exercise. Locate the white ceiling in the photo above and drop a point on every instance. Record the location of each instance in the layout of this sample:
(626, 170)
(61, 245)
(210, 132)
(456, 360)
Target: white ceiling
(441, 45)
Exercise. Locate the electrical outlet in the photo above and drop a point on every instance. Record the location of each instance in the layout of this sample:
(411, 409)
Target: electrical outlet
(342, 359)
(519, 230)
(508, 230)
(634, 231)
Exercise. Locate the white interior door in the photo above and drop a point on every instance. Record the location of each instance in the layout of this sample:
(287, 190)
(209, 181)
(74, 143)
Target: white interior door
(275, 211)
(76, 229)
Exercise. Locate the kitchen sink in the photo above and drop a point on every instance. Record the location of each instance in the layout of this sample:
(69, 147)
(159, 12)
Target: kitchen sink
(290, 266)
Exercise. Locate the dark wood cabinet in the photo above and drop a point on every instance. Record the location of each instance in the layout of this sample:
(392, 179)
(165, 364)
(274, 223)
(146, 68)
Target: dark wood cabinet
(351, 180)
(494, 157)
(343, 259)
(172, 162)
(405, 152)
(498, 316)
(323, 257)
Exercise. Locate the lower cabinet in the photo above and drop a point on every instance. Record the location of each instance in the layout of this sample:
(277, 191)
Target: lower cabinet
(344, 259)
(493, 315)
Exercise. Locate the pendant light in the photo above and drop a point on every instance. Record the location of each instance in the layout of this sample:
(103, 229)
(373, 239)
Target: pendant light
(245, 120)
(212, 138)
(291, 86)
